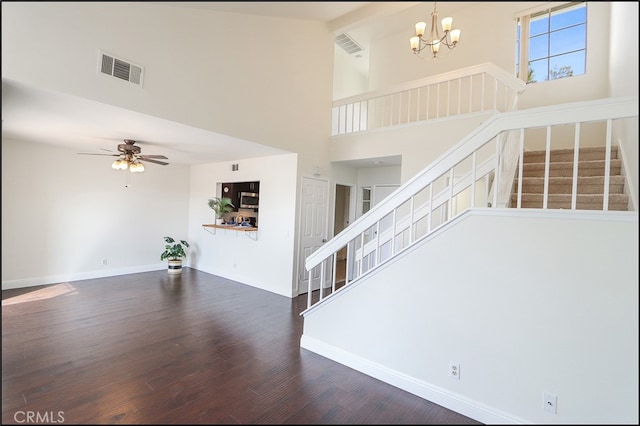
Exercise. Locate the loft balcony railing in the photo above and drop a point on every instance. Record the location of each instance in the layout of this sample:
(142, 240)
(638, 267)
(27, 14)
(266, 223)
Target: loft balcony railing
(478, 172)
(478, 88)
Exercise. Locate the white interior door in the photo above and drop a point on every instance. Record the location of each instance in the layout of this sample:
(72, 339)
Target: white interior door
(313, 228)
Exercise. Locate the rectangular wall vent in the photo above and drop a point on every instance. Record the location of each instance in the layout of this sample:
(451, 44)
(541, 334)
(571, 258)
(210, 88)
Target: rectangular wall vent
(121, 69)
(348, 44)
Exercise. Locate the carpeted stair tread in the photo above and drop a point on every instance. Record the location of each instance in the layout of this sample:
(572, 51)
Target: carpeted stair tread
(585, 154)
(563, 201)
(564, 185)
(565, 168)
(590, 180)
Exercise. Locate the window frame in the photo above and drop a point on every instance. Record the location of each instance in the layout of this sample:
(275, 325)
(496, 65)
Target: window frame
(523, 22)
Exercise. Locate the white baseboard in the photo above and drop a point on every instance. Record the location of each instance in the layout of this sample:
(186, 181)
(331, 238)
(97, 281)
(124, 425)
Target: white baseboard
(432, 393)
(54, 279)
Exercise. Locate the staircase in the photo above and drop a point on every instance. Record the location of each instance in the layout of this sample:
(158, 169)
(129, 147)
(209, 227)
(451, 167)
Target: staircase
(591, 177)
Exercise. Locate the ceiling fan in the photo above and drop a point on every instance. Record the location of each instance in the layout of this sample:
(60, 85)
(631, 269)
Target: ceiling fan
(130, 157)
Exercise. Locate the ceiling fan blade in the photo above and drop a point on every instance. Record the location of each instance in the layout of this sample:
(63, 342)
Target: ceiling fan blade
(153, 156)
(152, 161)
(92, 153)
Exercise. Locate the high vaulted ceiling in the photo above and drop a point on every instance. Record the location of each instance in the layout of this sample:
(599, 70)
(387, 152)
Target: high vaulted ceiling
(40, 116)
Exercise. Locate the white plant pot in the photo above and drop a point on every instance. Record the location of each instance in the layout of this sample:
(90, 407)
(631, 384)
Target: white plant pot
(219, 221)
(174, 267)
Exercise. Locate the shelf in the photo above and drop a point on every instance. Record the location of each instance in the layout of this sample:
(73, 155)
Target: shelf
(249, 231)
(233, 227)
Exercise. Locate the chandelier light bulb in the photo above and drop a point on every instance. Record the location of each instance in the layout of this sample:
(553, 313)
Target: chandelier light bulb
(455, 36)
(446, 24)
(415, 42)
(435, 46)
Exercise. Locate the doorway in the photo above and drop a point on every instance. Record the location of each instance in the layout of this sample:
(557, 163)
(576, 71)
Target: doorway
(342, 218)
(314, 210)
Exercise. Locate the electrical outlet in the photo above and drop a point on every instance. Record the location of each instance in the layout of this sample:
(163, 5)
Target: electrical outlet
(454, 370)
(549, 402)
(104, 261)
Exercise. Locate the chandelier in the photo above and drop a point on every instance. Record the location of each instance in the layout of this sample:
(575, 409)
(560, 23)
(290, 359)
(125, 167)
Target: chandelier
(435, 40)
(128, 162)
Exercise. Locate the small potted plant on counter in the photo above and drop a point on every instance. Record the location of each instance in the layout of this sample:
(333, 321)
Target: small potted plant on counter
(174, 252)
(220, 205)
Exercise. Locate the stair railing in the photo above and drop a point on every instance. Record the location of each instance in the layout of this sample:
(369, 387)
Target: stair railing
(478, 88)
(459, 179)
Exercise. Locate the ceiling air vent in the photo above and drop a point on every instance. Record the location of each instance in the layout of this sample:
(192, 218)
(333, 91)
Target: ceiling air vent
(120, 68)
(348, 44)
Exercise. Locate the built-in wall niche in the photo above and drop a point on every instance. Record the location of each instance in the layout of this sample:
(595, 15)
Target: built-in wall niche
(245, 197)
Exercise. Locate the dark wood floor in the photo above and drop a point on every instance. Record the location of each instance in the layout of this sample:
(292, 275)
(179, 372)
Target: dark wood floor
(198, 349)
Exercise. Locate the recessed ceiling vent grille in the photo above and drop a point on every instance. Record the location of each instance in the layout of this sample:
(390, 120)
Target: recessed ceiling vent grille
(120, 68)
(348, 44)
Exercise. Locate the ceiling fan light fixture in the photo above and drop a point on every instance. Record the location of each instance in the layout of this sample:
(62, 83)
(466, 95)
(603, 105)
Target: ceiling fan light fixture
(130, 157)
(120, 164)
(136, 167)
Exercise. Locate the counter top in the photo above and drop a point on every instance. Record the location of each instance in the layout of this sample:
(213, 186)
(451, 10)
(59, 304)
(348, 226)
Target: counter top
(232, 227)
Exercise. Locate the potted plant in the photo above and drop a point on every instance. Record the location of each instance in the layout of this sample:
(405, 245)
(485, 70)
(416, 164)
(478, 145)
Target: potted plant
(220, 205)
(174, 252)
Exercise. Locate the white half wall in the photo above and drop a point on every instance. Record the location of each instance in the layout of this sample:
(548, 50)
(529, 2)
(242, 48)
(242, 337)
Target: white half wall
(525, 303)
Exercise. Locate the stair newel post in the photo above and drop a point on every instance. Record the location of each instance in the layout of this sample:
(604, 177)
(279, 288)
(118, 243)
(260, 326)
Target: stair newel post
(607, 168)
(576, 158)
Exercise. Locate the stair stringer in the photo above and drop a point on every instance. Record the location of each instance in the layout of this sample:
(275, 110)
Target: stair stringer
(525, 301)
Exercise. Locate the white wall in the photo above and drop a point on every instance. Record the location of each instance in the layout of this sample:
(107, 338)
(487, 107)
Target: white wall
(202, 68)
(623, 78)
(347, 81)
(63, 213)
(562, 319)
(488, 35)
(264, 259)
(419, 144)
(371, 176)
